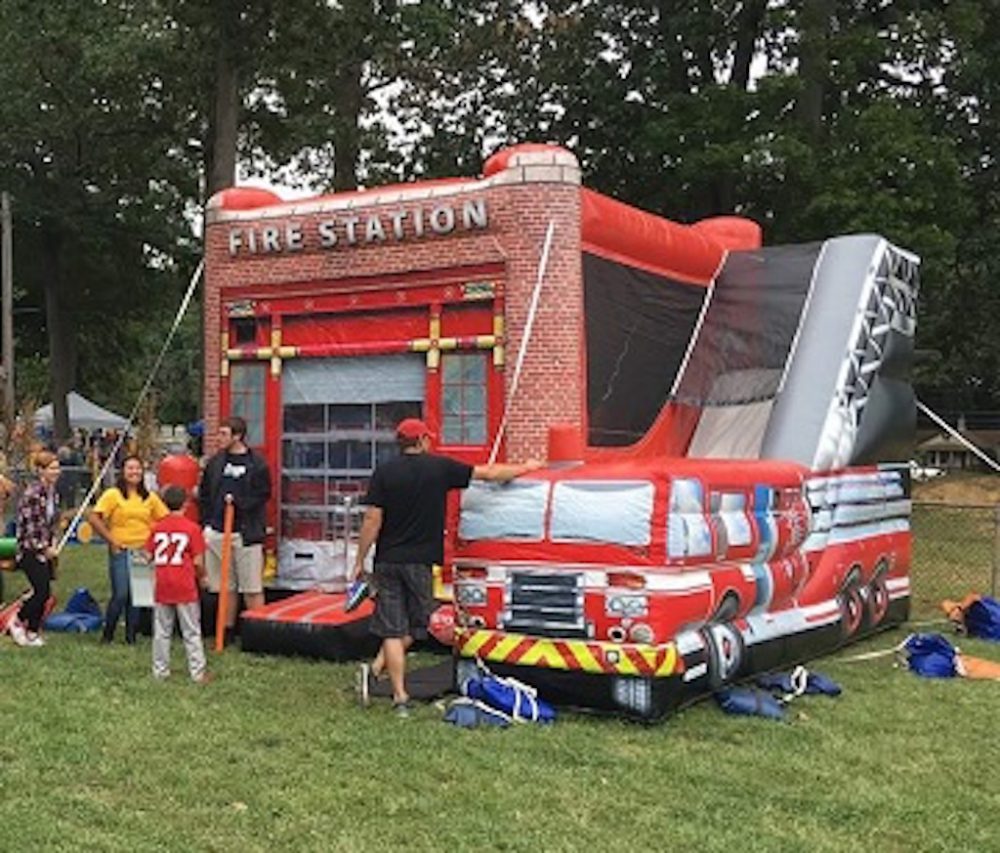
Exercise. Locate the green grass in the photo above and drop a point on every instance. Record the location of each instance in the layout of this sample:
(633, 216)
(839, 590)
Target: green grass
(274, 754)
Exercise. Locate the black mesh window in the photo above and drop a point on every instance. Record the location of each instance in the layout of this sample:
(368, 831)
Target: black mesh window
(638, 328)
(749, 327)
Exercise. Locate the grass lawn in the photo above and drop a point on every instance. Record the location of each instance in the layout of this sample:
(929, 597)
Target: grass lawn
(274, 754)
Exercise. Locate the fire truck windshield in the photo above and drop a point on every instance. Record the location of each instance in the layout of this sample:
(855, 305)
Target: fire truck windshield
(515, 510)
(618, 512)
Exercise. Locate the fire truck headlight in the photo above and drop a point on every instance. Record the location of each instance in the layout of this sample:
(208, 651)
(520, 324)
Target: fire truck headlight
(627, 606)
(641, 633)
(471, 595)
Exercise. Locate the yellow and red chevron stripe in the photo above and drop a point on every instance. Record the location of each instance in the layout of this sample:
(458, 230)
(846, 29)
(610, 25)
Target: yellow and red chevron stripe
(578, 655)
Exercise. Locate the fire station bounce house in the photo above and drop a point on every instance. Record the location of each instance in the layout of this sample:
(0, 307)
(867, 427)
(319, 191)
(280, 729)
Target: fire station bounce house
(721, 420)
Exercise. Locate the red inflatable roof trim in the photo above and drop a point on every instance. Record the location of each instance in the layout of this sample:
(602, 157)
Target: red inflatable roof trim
(688, 253)
(246, 198)
(251, 198)
(501, 160)
(662, 468)
(735, 232)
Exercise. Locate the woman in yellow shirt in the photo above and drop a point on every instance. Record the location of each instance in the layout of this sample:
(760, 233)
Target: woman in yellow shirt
(123, 516)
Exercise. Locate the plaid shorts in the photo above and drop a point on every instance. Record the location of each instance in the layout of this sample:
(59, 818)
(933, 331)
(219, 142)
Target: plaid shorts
(404, 600)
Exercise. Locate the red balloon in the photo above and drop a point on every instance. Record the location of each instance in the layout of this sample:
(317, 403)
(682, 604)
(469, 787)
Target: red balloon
(180, 469)
(442, 625)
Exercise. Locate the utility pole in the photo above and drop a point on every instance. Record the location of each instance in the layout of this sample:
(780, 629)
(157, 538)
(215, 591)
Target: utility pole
(7, 309)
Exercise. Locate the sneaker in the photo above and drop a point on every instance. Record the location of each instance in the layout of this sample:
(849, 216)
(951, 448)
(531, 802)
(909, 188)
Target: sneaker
(205, 678)
(33, 640)
(402, 710)
(17, 633)
(357, 592)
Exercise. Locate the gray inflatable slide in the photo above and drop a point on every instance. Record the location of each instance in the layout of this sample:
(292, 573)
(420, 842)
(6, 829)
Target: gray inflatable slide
(803, 353)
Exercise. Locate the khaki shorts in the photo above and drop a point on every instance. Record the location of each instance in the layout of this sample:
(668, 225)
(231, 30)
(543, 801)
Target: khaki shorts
(246, 566)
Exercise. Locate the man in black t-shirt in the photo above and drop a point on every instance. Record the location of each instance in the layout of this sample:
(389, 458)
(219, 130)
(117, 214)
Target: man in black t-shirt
(405, 521)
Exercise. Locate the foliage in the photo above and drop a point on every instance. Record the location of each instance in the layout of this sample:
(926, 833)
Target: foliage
(92, 149)
(813, 117)
(858, 117)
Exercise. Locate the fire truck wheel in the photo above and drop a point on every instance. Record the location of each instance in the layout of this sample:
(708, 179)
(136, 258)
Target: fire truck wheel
(852, 606)
(724, 653)
(878, 595)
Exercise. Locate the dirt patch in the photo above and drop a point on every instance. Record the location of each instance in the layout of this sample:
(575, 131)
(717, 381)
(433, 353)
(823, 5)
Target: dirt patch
(967, 489)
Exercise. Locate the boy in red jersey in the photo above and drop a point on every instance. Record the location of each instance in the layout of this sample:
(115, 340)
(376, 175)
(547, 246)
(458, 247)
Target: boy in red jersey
(176, 547)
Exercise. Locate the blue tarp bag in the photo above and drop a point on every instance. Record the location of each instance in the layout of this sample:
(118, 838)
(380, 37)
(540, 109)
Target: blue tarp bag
(470, 714)
(510, 696)
(931, 656)
(816, 684)
(82, 614)
(982, 619)
(747, 702)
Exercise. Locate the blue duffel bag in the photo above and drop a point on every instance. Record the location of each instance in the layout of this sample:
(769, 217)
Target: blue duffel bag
(931, 656)
(747, 702)
(512, 697)
(82, 614)
(982, 619)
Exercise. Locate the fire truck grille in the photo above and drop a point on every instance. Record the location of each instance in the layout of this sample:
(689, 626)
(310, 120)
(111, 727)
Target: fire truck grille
(546, 605)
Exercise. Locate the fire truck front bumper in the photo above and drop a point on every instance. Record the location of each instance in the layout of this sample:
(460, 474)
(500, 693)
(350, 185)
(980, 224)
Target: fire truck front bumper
(583, 656)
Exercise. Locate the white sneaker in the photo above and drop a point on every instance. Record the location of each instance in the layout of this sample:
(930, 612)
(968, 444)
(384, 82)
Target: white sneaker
(17, 633)
(32, 639)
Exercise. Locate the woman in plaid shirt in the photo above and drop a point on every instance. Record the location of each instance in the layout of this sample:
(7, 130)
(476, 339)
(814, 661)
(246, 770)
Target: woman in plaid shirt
(36, 553)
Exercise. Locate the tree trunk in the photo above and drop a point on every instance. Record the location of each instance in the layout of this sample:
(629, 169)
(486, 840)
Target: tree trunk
(223, 126)
(814, 64)
(348, 100)
(61, 332)
(748, 26)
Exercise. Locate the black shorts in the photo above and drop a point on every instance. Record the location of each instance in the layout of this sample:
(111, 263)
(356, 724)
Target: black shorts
(404, 600)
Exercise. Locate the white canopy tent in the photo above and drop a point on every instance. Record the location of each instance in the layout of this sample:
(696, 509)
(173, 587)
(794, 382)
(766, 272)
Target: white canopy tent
(82, 413)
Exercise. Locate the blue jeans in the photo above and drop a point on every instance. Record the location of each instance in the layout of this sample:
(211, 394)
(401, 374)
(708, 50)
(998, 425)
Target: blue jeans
(121, 599)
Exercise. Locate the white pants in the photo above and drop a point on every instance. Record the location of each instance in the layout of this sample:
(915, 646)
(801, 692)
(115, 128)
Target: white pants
(189, 615)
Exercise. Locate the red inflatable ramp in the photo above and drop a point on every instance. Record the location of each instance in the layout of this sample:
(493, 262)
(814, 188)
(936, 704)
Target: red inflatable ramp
(313, 624)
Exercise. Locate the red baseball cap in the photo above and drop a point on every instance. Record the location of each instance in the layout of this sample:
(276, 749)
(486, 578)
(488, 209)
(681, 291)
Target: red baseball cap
(412, 429)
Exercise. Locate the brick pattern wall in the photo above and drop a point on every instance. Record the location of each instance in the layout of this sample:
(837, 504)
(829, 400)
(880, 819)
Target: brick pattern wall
(551, 384)
(521, 202)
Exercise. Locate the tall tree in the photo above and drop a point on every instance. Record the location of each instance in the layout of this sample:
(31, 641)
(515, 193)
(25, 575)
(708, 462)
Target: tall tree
(86, 132)
(321, 75)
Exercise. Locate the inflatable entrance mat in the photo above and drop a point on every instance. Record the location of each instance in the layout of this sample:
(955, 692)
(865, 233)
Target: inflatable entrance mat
(424, 684)
(313, 624)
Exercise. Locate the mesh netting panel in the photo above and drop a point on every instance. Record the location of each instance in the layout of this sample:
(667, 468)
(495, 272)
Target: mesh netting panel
(748, 330)
(638, 328)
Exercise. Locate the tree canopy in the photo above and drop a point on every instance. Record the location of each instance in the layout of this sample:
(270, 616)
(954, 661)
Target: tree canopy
(812, 117)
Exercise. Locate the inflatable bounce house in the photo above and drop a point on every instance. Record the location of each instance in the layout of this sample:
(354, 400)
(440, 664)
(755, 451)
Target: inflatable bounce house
(723, 421)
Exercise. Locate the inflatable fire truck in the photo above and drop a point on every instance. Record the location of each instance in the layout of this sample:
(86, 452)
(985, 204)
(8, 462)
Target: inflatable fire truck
(756, 523)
